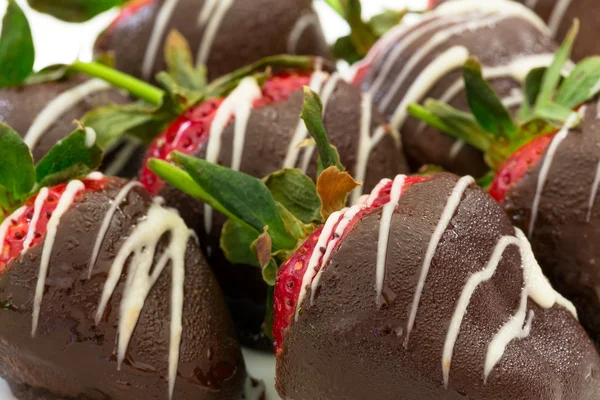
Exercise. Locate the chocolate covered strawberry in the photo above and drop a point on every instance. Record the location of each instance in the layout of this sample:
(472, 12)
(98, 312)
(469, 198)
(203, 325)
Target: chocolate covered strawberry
(559, 15)
(224, 34)
(421, 290)
(415, 61)
(104, 290)
(545, 168)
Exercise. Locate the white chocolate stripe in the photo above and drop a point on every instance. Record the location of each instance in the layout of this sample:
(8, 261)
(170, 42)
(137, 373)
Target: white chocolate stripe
(106, 222)
(213, 23)
(543, 174)
(90, 137)
(313, 263)
(451, 59)
(593, 194)
(291, 157)
(142, 244)
(346, 217)
(436, 40)
(557, 16)
(384, 234)
(37, 209)
(7, 222)
(375, 193)
(57, 107)
(66, 200)
(238, 104)
(302, 24)
(158, 32)
(449, 210)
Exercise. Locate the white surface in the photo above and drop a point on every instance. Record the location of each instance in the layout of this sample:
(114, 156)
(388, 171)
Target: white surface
(58, 42)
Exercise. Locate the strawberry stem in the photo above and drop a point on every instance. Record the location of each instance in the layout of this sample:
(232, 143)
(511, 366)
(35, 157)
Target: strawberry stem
(134, 86)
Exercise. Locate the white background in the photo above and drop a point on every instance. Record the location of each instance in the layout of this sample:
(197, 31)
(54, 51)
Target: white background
(57, 42)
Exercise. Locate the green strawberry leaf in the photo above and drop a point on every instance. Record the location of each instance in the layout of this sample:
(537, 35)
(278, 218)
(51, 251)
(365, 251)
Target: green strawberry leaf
(72, 157)
(296, 228)
(456, 123)
(485, 104)
(381, 23)
(17, 171)
(17, 53)
(236, 239)
(74, 10)
(136, 119)
(296, 192)
(183, 181)
(553, 75)
(245, 197)
(312, 114)
(531, 90)
(553, 112)
(344, 49)
(582, 85)
(180, 63)
(362, 34)
(337, 6)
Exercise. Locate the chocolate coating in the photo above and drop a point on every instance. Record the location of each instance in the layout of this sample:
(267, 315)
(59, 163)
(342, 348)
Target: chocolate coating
(585, 10)
(503, 40)
(345, 347)
(270, 130)
(564, 241)
(70, 357)
(249, 31)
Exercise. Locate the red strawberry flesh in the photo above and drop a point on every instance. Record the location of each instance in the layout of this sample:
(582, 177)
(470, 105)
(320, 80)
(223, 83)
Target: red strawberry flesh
(129, 10)
(289, 278)
(515, 167)
(14, 239)
(189, 133)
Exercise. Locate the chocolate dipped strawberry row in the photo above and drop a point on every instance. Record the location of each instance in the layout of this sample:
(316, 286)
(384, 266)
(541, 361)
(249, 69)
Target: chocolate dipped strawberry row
(414, 62)
(545, 168)
(105, 292)
(224, 34)
(421, 290)
(249, 121)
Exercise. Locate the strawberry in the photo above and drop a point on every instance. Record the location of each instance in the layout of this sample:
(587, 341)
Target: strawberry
(18, 228)
(289, 278)
(190, 131)
(517, 165)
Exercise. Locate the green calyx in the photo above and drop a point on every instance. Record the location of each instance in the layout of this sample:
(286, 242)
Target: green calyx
(363, 34)
(72, 157)
(183, 86)
(269, 218)
(549, 101)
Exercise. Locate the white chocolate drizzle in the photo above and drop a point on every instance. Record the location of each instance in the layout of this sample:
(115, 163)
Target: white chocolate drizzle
(158, 32)
(95, 176)
(210, 19)
(557, 16)
(543, 174)
(593, 194)
(66, 199)
(313, 263)
(58, 106)
(384, 234)
(344, 219)
(7, 222)
(108, 217)
(141, 246)
(238, 104)
(302, 24)
(376, 191)
(449, 210)
(451, 59)
(368, 142)
(90, 137)
(38, 204)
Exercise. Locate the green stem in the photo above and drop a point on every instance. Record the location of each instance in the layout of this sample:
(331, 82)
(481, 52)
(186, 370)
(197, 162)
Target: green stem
(134, 86)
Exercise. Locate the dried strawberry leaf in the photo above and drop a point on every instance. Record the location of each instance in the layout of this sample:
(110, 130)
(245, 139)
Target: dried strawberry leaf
(333, 187)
